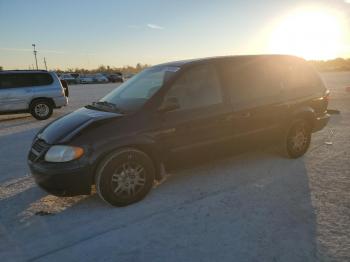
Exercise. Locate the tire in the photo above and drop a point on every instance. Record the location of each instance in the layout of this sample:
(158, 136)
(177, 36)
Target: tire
(297, 139)
(41, 109)
(124, 177)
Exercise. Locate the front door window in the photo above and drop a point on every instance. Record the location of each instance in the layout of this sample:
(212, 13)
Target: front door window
(198, 87)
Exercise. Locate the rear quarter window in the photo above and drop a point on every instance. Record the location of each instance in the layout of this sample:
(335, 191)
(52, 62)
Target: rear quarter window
(16, 80)
(300, 79)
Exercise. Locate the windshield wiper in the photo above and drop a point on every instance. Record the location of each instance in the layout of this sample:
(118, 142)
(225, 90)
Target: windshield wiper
(107, 104)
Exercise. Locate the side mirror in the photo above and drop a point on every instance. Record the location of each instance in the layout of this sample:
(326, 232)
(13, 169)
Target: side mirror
(170, 104)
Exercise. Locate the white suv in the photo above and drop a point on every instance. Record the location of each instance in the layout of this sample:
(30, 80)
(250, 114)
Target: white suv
(34, 91)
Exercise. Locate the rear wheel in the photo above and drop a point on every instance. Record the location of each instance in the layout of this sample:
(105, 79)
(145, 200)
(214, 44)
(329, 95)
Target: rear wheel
(41, 109)
(125, 177)
(297, 139)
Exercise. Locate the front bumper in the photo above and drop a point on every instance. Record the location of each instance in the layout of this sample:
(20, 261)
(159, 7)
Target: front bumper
(321, 122)
(62, 179)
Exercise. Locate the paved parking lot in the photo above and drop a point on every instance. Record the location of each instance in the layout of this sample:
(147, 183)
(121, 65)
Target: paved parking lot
(255, 206)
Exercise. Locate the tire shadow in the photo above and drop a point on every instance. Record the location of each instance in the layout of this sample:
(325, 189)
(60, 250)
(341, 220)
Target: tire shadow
(5, 118)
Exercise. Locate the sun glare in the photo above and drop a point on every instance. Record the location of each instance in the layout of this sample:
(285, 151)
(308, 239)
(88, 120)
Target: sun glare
(309, 33)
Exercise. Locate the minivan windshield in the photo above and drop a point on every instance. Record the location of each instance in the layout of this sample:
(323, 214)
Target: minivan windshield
(133, 94)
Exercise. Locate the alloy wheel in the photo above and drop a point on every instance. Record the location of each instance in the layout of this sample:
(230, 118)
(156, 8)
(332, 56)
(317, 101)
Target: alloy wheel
(128, 179)
(42, 110)
(299, 138)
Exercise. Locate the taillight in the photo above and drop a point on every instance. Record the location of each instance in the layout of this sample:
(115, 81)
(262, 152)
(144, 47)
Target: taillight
(326, 96)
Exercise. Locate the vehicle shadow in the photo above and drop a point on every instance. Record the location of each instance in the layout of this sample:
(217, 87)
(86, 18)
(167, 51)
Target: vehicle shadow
(254, 206)
(5, 118)
(17, 122)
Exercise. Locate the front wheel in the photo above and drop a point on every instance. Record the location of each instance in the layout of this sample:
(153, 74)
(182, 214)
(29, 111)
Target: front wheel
(297, 139)
(125, 177)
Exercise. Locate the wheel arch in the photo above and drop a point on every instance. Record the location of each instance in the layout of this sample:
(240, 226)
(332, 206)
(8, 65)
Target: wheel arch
(42, 98)
(147, 148)
(307, 113)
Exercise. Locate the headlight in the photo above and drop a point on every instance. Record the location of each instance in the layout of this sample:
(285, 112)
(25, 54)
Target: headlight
(63, 153)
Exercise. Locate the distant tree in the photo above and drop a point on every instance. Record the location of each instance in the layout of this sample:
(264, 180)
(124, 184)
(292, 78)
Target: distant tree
(57, 70)
(138, 67)
(106, 69)
(1, 68)
(101, 69)
(338, 64)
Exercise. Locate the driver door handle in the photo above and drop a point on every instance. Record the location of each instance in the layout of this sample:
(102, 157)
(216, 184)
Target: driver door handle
(236, 116)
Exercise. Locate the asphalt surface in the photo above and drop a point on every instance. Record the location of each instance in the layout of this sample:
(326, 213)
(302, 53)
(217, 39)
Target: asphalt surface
(254, 206)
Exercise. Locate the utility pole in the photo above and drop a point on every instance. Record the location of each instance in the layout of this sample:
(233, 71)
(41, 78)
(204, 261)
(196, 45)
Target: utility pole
(36, 61)
(45, 63)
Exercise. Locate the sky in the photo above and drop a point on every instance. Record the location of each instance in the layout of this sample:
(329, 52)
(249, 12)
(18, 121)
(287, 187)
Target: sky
(86, 34)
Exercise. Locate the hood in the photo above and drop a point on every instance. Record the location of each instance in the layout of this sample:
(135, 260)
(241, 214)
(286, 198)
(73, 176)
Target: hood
(66, 127)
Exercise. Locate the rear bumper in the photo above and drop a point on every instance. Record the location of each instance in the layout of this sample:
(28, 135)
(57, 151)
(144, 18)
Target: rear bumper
(62, 179)
(60, 101)
(321, 122)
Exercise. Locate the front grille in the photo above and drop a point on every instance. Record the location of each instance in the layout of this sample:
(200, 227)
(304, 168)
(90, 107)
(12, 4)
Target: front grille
(32, 157)
(38, 149)
(40, 145)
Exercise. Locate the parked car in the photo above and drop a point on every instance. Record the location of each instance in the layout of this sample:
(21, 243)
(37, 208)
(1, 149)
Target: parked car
(75, 75)
(124, 141)
(69, 79)
(85, 79)
(37, 92)
(128, 76)
(99, 78)
(115, 78)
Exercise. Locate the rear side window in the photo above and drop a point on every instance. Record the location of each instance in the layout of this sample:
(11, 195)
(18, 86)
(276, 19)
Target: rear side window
(252, 82)
(15, 80)
(196, 88)
(299, 78)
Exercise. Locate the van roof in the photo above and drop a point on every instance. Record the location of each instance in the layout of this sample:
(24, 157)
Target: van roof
(23, 71)
(183, 63)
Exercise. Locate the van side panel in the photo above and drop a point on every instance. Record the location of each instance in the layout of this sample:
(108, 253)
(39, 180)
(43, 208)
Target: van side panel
(18, 98)
(303, 87)
(16, 89)
(254, 90)
(4, 94)
(53, 91)
(268, 92)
